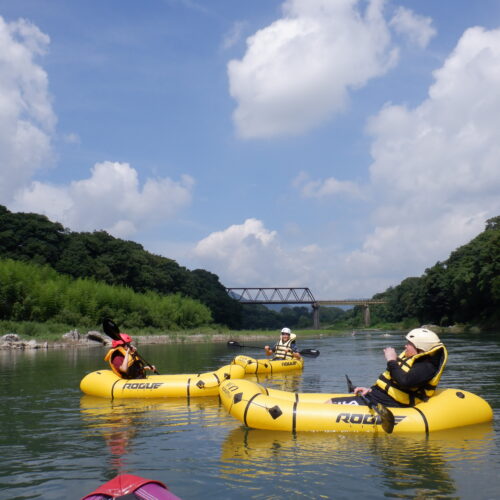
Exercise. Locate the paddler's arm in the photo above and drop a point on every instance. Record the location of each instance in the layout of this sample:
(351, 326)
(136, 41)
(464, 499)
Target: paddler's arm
(421, 372)
(124, 366)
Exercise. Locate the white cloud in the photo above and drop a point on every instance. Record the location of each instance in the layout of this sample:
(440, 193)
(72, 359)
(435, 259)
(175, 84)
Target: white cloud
(239, 248)
(418, 29)
(435, 171)
(297, 72)
(251, 255)
(110, 199)
(234, 35)
(434, 181)
(27, 120)
(326, 188)
(448, 148)
(437, 166)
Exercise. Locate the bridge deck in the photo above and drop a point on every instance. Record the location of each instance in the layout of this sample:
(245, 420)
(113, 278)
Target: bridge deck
(295, 295)
(298, 296)
(351, 302)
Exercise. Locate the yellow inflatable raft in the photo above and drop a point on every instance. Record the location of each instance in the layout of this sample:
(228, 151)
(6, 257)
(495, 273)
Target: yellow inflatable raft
(106, 384)
(252, 365)
(260, 408)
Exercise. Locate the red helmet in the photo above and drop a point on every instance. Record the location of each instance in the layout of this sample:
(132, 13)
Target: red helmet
(125, 339)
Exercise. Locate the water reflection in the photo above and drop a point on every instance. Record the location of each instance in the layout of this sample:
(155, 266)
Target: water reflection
(417, 467)
(117, 424)
(411, 466)
(118, 421)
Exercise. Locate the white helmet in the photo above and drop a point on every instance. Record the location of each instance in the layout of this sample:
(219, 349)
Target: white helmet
(286, 330)
(423, 339)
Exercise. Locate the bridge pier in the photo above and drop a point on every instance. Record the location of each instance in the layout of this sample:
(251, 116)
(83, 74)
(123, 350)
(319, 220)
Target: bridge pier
(366, 314)
(315, 308)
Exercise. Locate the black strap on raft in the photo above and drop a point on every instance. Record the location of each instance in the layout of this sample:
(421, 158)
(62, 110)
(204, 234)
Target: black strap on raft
(294, 419)
(248, 406)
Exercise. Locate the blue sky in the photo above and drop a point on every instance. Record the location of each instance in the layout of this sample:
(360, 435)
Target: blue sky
(340, 145)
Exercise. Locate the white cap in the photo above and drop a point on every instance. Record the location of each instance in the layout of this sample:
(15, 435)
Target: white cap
(286, 330)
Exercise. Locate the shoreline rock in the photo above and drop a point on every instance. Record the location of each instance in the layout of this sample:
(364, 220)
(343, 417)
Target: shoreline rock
(74, 339)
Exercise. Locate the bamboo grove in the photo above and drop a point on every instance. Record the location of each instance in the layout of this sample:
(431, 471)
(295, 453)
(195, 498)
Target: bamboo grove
(29, 292)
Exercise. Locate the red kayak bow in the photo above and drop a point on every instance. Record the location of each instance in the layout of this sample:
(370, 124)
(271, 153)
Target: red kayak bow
(128, 484)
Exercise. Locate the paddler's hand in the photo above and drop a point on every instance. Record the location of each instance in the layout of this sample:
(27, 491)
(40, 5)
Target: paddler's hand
(361, 390)
(390, 354)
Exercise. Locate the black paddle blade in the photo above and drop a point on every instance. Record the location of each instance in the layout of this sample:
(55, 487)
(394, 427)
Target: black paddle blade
(350, 386)
(386, 417)
(111, 329)
(313, 353)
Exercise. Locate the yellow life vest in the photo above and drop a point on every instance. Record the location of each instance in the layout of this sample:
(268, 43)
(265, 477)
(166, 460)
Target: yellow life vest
(281, 348)
(135, 368)
(413, 395)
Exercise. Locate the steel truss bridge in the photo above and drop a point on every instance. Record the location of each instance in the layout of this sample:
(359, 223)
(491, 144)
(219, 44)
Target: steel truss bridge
(298, 295)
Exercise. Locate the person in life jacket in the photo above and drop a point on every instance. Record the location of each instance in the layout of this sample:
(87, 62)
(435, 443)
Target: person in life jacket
(124, 360)
(285, 348)
(410, 378)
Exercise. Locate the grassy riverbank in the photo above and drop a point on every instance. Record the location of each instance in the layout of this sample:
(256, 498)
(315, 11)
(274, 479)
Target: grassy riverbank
(53, 332)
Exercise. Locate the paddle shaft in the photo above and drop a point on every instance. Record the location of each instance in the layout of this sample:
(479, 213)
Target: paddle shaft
(237, 344)
(304, 352)
(142, 359)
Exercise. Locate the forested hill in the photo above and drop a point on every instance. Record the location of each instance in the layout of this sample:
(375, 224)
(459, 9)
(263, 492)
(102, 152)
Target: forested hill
(34, 238)
(463, 289)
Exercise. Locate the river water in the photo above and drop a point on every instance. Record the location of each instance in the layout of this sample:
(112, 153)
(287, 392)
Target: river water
(57, 443)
